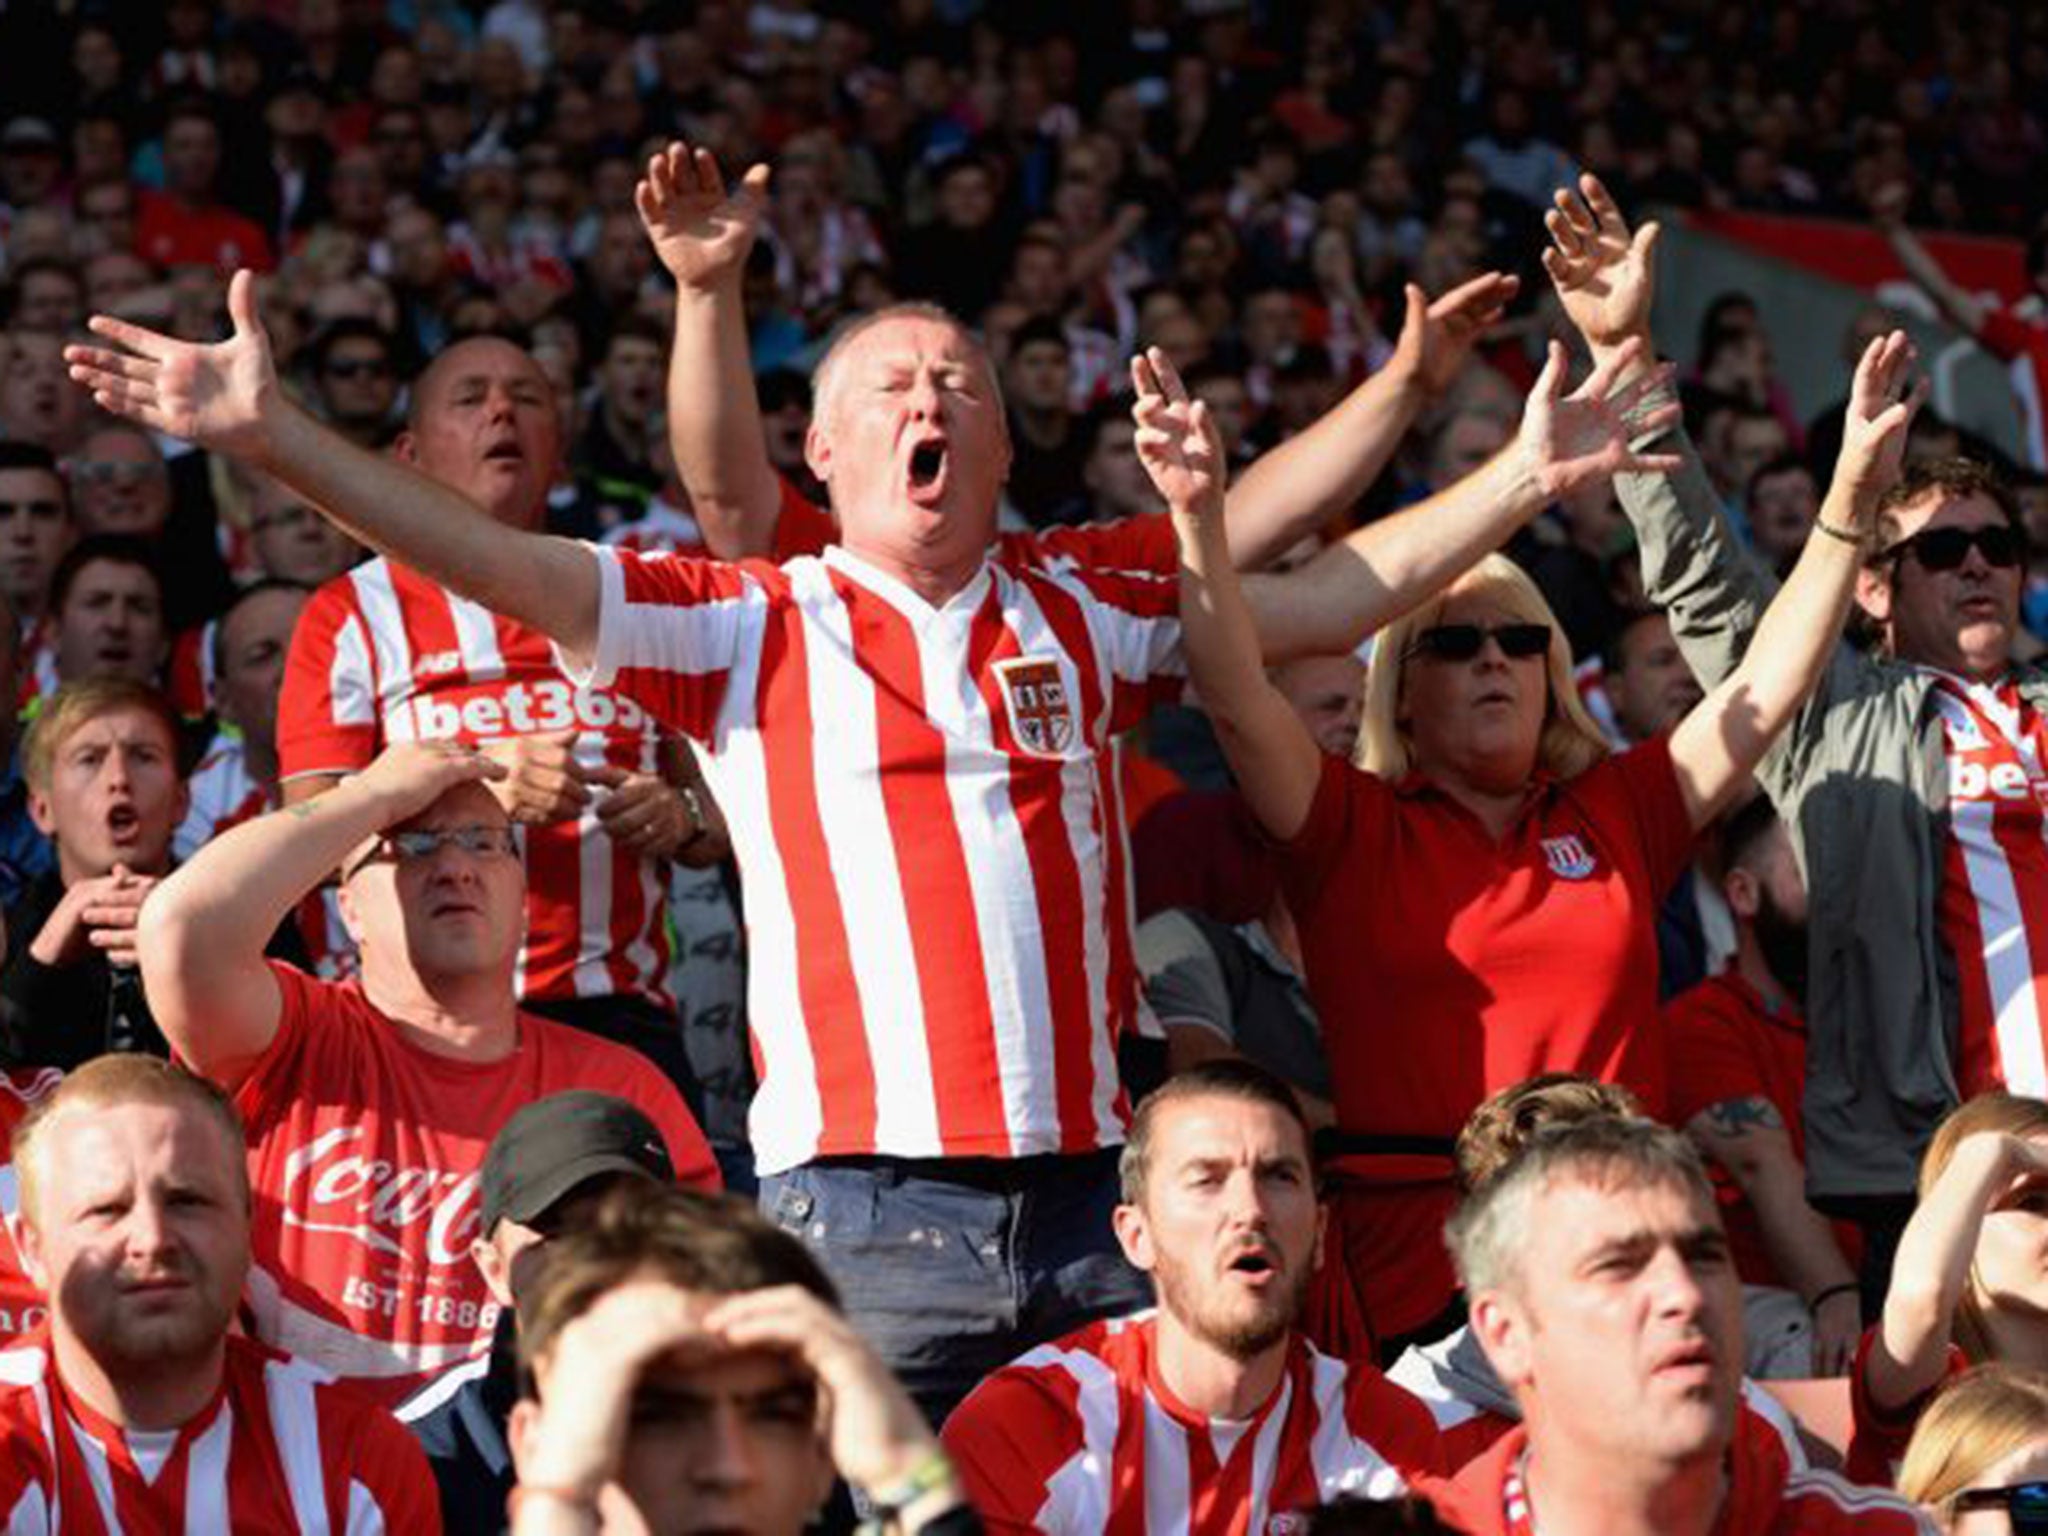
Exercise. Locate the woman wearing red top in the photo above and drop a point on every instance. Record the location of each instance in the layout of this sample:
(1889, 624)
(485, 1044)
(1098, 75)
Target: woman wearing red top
(1476, 898)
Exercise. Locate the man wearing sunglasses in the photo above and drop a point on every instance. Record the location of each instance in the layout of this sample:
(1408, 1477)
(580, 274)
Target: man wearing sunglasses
(1916, 778)
(370, 1105)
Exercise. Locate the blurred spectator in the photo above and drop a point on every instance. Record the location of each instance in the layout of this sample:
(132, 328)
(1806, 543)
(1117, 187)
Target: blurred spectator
(293, 542)
(355, 380)
(1741, 1036)
(48, 296)
(186, 224)
(615, 452)
(106, 613)
(135, 1221)
(31, 167)
(101, 761)
(237, 775)
(38, 403)
(1780, 504)
(35, 529)
(1048, 446)
(119, 484)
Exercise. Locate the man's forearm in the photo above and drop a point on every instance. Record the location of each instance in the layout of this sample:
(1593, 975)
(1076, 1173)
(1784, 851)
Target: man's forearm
(1288, 493)
(548, 584)
(1797, 1237)
(714, 426)
(1962, 310)
(1386, 568)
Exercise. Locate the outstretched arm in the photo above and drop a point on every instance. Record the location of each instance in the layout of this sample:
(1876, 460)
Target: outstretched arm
(1717, 745)
(226, 398)
(703, 236)
(1289, 492)
(203, 930)
(1381, 571)
(1270, 750)
(1962, 310)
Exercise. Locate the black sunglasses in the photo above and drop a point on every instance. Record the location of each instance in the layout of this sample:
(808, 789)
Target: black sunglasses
(1945, 549)
(2025, 1504)
(1462, 642)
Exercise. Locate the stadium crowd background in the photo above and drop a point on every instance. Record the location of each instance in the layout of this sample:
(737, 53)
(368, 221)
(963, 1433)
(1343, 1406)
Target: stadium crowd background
(1245, 187)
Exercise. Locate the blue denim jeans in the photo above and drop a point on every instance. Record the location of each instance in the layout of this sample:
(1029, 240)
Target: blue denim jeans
(953, 1267)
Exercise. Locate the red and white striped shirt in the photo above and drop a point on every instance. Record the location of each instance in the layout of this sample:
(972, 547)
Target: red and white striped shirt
(381, 654)
(281, 1447)
(1993, 906)
(1082, 1435)
(365, 1153)
(923, 804)
(22, 1304)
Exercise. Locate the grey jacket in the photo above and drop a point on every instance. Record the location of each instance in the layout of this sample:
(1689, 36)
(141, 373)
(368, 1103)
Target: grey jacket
(1861, 777)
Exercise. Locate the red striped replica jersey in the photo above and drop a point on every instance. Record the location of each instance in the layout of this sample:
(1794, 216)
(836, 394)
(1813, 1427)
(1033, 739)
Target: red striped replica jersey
(22, 1304)
(924, 807)
(281, 1447)
(1993, 905)
(381, 654)
(1761, 1498)
(365, 1154)
(1082, 1435)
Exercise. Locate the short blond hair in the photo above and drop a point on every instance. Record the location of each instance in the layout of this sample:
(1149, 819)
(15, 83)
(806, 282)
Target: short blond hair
(1976, 1421)
(108, 1081)
(79, 704)
(1570, 744)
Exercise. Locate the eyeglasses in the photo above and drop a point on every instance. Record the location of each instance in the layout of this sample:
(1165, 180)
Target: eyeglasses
(411, 846)
(2025, 1504)
(357, 368)
(1945, 549)
(1462, 642)
(113, 472)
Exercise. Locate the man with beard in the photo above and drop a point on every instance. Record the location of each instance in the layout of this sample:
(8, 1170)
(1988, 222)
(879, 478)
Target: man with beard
(1742, 1037)
(134, 1407)
(1212, 1407)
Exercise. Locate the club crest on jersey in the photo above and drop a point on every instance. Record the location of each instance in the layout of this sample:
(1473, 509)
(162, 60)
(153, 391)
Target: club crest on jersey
(1041, 714)
(1568, 858)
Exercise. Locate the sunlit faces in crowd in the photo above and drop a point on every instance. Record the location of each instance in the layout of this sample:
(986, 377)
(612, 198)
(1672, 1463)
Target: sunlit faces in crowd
(1945, 585)
(103, 780)
(484, 423)
(292, 541)
(35, 527)
(106, 601)
(449, 911)
(120, 483)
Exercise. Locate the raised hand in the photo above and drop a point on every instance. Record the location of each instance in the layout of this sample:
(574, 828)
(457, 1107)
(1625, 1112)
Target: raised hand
(220, 396)
(1571, 440)
(1605, 277)
(1437, 336)
(1882, 401)
(701, 233)
(409, 776)
(1177, 441)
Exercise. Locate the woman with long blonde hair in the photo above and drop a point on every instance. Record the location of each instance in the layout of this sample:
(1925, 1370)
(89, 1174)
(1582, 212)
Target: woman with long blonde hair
(1476, 896)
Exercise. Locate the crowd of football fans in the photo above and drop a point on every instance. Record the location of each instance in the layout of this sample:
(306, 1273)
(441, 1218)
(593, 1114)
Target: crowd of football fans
(1083, 655)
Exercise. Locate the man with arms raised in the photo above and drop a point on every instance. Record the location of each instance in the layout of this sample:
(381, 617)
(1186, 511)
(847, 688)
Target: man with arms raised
(1215, 1403)
(1912, 780)
(370, 1105)
(908, 739)
(135, 1407)
(1602, 1292)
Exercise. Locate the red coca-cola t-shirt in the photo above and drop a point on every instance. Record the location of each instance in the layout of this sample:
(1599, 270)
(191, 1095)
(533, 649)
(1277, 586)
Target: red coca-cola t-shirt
(365, 1154)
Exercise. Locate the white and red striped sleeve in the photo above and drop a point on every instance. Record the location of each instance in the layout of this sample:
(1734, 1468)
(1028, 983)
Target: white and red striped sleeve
(327, 718)
(1036, 1444)
(671, 629)
(1133, 621)
(378, 1480)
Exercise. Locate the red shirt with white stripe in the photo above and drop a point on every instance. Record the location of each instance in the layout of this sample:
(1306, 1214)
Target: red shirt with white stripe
(22, 1304)
(381, 654)
(925, 811)
(1993, 905)
(1761, 1498)
(1082, 1435)
(365, 1152)
(1125, 544)
(280, 1447)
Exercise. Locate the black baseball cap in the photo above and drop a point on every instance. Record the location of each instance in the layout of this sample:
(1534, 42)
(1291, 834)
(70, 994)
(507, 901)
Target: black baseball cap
(556, 1143)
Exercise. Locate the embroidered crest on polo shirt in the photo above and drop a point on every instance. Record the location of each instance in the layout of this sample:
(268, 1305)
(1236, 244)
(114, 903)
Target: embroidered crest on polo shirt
(1568, 857)
(1041, 714)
